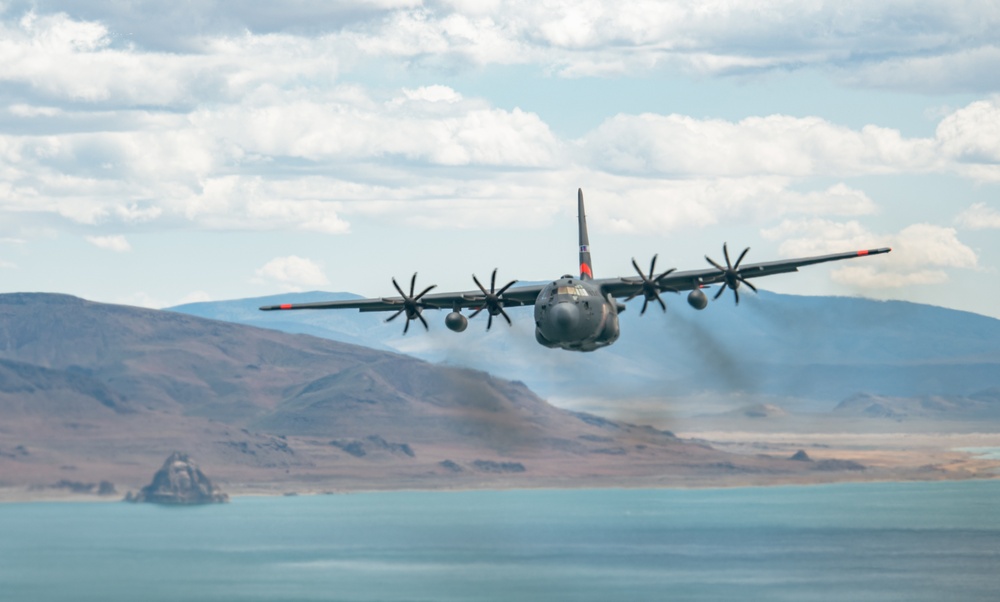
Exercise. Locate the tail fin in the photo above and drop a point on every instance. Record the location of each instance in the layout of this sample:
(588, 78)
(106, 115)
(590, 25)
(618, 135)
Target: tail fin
(586, 267)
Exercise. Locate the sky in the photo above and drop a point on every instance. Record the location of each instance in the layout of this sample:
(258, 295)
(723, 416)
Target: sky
(157, 153)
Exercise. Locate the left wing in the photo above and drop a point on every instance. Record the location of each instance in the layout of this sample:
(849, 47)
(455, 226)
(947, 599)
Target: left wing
(731, 275)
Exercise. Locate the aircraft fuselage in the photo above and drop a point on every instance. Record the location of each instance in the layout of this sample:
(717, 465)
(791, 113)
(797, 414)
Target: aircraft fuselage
(573, 314)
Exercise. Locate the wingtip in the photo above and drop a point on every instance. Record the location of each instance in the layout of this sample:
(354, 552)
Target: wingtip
(865, 252)
(274, 307)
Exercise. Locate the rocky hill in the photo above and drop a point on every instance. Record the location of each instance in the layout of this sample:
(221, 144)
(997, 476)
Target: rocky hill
(179, 482)
(94, 392)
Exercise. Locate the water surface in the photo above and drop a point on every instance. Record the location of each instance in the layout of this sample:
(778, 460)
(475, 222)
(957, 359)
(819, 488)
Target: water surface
(859, 542)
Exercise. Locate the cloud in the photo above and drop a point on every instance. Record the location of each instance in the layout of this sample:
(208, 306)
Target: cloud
(307, 160)
(777, 144)
(583, 37)
(660, 205)
(140, 299)
(250, 126)
(254, 203)
(291, 273)
(920, 252)
(979, 217)
(71, 60)
(970, 137)
(966, 142)
(116, 243)
(434, 93)
(429, 125)
(144, 299)
(872, 278)
(925, 45)
(195, 297)
(183, 25)
(965, 69)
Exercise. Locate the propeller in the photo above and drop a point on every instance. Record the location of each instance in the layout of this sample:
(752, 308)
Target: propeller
(731, 273)
(492, 302)
(651, 286)
(411, 304)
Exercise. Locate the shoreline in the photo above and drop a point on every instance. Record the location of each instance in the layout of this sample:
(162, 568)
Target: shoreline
(883, 457)
(32, 495)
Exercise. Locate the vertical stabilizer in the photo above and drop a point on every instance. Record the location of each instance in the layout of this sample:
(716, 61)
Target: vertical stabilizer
(586, 267)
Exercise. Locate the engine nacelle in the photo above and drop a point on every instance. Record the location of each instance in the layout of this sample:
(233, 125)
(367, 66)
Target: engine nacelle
(456, 322)
(697, 299)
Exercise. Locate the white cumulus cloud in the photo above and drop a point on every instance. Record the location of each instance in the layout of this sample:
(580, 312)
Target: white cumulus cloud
(927, 45)
(971, 138)
(116, 243)
(253, 128)
(930, 45)
(776, 144)
(292, 273)
(979, 216)
(430, 125)
(921, 253)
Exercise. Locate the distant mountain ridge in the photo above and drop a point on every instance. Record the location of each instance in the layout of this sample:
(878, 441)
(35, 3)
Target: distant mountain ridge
(983, 405)
(104, 392)
(820, 350)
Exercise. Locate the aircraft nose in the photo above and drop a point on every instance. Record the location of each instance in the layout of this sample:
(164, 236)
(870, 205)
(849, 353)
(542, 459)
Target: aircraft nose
(565, 317)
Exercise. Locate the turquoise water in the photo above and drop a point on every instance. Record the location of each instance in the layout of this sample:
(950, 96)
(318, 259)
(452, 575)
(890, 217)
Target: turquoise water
(856, 542)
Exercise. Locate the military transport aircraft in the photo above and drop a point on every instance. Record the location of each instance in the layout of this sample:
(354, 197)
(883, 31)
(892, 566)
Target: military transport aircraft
(576, 313)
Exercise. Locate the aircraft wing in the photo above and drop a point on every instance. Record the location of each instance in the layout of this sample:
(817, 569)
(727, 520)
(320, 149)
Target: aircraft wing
(512, 297)
(616, 287)
(692, 279)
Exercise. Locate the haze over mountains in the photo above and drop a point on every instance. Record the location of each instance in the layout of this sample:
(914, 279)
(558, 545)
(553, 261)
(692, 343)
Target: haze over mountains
(807, 354)
(94, 392)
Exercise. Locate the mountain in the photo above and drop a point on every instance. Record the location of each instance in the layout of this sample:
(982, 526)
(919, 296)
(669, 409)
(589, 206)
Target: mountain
(982, 406)
(94, 392)
(814, 351)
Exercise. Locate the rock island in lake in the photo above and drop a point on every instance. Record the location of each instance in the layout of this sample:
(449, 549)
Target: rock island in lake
(179, 482)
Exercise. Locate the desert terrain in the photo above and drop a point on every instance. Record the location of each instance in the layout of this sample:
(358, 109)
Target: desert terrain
(94, 397)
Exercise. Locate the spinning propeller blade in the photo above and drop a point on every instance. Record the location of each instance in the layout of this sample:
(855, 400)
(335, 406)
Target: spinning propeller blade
(492, 299)
(651, 287)
(411, 304)
(732, 278)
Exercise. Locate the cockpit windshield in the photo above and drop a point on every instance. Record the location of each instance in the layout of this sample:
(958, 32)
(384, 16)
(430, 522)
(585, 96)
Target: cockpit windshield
(577, 291)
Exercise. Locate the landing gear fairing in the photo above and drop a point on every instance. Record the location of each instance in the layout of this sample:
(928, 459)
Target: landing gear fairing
(577, 313)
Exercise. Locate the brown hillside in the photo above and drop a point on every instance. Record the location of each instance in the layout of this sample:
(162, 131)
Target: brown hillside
(92, 392)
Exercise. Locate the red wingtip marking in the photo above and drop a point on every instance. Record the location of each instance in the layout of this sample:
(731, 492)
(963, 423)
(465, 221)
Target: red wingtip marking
(585, 269)
(286, 306)
(862, 253)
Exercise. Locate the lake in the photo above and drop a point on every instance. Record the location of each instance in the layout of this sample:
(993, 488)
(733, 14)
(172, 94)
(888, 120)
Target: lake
(857, 542)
